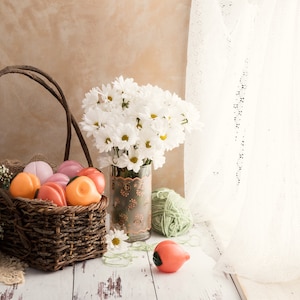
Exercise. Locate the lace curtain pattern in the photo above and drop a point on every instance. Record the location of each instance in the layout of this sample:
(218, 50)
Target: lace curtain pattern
(242, 172)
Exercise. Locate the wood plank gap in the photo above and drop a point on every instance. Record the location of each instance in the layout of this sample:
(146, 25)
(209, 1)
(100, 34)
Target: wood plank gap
(73, 282)
(150, 263)
(220, 250)
(238, 286)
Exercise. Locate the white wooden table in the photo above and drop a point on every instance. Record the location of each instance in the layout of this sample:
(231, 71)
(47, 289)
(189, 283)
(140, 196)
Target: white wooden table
(93, 279)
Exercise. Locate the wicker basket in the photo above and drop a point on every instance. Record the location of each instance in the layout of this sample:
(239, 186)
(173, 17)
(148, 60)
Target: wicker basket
(42, 234)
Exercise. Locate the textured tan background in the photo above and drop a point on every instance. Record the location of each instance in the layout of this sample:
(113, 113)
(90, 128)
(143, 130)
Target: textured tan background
(83, 44)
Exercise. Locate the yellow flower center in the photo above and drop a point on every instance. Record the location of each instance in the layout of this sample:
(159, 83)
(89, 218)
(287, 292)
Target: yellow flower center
(96, 124)
(153, 116)
(109, 98)
(107, 140)
(133, 159)
(116, 241)
(125, 137)
(163, 137)
(148, 144)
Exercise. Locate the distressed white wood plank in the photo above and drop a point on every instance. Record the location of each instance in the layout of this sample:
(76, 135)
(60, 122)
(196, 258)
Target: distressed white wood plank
(95, 280)
(140, 280)
(41, 285)
(275, 291)
(196, 279)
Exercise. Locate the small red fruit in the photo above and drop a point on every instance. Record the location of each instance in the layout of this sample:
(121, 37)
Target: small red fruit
(168, 256)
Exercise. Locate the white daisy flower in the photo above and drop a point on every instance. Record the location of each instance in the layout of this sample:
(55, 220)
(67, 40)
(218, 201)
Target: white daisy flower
(171, 138)
(116, 241)
(126, 136)
(109, 94)
(159, 160)
(133, 160)
(91, 99)
(149, 143)
(125, 86)
(104, 138)
(154, 110)
(190, 117)
(91, 121)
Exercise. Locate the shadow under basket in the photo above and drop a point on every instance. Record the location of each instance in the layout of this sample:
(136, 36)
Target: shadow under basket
(46, 236)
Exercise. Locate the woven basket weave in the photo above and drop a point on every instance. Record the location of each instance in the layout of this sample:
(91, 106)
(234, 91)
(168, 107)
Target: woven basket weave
(42, 234)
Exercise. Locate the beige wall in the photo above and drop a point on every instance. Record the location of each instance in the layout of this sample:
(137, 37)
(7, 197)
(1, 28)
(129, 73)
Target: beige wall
(82, 44)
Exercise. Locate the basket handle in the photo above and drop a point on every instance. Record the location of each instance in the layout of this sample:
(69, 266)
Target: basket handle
(53, 87)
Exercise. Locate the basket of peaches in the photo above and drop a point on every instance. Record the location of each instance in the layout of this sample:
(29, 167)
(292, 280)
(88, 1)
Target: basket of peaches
(54, 218)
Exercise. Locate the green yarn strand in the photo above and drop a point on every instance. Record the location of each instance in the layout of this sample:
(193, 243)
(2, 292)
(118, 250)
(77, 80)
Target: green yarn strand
(170, 214)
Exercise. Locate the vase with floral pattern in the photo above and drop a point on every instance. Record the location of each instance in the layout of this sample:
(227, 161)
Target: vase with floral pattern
(130, 197)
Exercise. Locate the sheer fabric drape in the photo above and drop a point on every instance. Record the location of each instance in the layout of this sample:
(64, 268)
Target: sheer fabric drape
(242, 171)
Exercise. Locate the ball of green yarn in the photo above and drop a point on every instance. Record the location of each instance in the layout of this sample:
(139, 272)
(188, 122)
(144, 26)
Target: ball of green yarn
(170, 214)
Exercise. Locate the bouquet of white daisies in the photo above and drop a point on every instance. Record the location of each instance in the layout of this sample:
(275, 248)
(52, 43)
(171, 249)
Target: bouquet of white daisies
(134, 125)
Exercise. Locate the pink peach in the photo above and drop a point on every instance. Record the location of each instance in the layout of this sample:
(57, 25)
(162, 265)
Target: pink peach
(69, 168)
(59, 178)
(39, 168)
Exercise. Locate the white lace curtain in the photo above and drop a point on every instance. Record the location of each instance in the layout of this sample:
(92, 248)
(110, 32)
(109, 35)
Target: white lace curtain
(242, 171)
